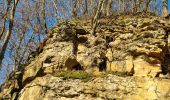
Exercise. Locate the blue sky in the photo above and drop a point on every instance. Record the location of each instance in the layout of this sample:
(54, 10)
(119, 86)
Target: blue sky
(169, 5)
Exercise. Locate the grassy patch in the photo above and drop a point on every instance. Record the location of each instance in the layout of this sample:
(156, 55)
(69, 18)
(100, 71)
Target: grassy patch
(74, 75)
(84, 76)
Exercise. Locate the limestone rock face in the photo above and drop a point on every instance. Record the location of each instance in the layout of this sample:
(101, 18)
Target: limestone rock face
(8, 88)
(137, 46)
(140, 47)
(152, 89)
(143, 68)
(32, 70)
(108, 88)
(129, 44)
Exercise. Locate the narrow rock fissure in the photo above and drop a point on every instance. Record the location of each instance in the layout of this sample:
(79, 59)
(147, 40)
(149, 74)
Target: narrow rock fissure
(102, 64)
(15, 91)
(165, 64)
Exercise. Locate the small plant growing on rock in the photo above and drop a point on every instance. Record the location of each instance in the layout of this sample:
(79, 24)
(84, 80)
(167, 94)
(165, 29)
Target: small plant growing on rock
(73, 75)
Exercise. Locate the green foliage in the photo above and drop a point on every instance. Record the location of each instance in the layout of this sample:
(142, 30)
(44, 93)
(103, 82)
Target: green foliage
(73, 75)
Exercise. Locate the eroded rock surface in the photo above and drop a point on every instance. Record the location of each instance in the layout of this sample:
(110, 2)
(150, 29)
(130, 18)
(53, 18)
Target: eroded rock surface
(109, 88)
(138, 46)
(131, 44)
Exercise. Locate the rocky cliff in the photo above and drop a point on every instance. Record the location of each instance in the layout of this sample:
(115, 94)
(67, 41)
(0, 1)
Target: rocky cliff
(136, 46)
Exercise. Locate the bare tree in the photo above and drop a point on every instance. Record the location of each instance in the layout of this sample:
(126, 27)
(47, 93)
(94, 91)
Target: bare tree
(44, 16)
(164, 8)
(9, 31)
(86, 8)
(136, 6)
(96, 17)
(106, 7)
(147, 5)
(5, 18)
(74, 11)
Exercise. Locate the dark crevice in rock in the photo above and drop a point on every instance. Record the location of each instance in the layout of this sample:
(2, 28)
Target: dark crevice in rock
(77, 67)
(15, 93)
(82, 39)
(102, 64)
(75, 45)
(40, 73)
(108, 40)
(81, 31)
(166, 56)
(49, 59)
(73, 64)
(165, 66)
(16, 79)
(19, 80)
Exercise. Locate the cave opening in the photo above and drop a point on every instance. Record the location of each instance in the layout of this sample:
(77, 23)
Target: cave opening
(73, 64)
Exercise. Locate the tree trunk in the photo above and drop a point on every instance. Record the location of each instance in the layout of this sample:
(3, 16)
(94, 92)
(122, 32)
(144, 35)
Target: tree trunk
(5, 18)
(103, 8)
(123, 6)
(74, 12)
(25, 49)
(136, 6)
(44, 16)
(96, 17)
(16, 55)
(147, 5)
(9, 31)
(55, 5)
(164, 8)
(106, 7)
(86, 8)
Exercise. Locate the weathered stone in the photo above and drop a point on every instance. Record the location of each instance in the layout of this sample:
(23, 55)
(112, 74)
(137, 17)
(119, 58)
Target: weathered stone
(137, 46)
(122, 65)
(7, 88)
(110, 87)
(143, 68)
(32, 70)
